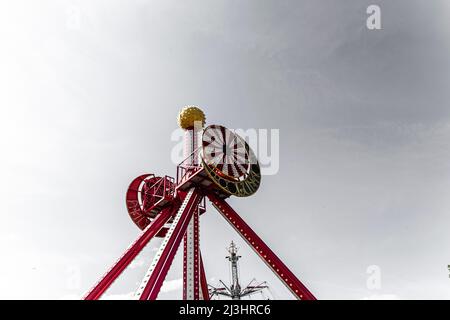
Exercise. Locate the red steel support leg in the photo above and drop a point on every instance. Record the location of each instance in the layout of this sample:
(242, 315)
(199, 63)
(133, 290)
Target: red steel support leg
(185, 268)
(191, 261)
(153, 280)
(278, 267)
(150, 231)
(196, 273)
(203, 283)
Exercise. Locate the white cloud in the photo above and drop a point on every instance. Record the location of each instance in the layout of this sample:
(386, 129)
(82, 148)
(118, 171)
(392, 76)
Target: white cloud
(385, 296)
(119, 296)
(73, 296)
(167, 287)
(172, 285)
(137, 263)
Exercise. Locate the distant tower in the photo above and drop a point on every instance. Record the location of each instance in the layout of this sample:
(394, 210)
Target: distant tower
(233, 258)
(234, 291)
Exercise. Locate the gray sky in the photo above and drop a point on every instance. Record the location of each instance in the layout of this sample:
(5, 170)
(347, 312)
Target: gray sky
(89, 95)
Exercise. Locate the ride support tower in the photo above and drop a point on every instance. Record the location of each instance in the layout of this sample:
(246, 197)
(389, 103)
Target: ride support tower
(218, 164)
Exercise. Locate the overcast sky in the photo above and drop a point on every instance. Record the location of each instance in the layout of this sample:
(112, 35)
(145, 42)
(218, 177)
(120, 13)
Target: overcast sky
(89, 93)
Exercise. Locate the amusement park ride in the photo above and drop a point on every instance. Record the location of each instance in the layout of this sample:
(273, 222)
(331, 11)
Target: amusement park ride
(218, 164)
(235, 291)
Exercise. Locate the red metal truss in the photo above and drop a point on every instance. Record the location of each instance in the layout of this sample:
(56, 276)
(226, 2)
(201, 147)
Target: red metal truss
(153, 280)
(196, 269)
(133, 250)
(203, 282)
(268, 256)
(185, 263)
(191, 262)
(146, 196)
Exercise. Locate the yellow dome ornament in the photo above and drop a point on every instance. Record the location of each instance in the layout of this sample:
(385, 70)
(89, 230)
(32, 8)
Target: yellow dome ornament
(189, 115)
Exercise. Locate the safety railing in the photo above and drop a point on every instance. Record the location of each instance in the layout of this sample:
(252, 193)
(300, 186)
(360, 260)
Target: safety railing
(189, 166)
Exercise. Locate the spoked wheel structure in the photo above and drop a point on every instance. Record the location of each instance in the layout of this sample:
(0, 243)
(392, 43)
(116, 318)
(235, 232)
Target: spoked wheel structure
(147, 195)
(218, 164)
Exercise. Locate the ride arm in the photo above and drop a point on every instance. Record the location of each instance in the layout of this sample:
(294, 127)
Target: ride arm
(133, 250)
(153, 280)
(297, 288)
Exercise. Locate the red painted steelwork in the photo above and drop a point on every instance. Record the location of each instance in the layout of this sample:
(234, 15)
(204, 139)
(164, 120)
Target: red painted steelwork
(151, 230)
(146, 196)
(268, 256)
(191, 262)
(196, 256)
(185, 266)
(152, 287)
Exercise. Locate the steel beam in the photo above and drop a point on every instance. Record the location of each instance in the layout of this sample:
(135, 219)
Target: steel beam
(133, 250)
(191, 262)
(297, 288)
(153, 280)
